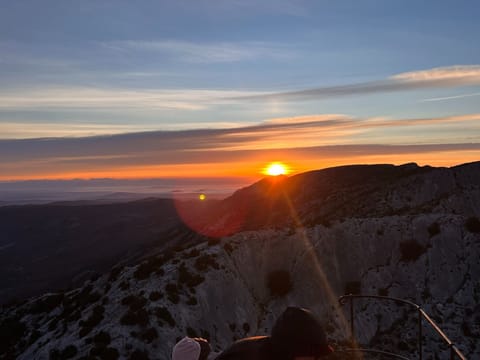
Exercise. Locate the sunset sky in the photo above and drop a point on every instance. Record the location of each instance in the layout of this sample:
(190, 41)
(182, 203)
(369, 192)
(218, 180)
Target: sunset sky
(210, 88)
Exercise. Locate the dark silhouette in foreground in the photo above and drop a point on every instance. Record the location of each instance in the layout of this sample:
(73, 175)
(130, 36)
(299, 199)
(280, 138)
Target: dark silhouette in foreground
(296, 334)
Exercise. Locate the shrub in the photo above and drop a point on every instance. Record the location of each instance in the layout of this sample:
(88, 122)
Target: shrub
(137, 317)
(466, 330)
(472, 224)
(187, 278)
(11, 331)
(382, 292)
(149, 335)
(163, 314)
(139, 355)
(353, 287)
(134, 302)
(34, 336)
(402, 345)
(104, 353)
(69, 352)
(85, 297)
(124, 285)
(191, 254)
(54, 354)
(411, 250)
(433, 229)
(74, 316)
(426, 294)
(102, 337)
(213, 241)
(191, 332)
(228, 248)
(155, 295)
(205, 261)
(146, 269)
(172, 293)
(110, 353)
(279, 283)
(192, 301)
(53, 323)
(114, 274)
(47, 304)
(95, 318)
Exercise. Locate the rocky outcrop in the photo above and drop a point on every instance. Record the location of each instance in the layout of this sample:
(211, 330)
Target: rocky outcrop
(415, 237)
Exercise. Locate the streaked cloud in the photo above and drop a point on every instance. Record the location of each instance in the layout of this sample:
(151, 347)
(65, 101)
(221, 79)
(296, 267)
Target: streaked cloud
(306, 119)
(210, 52)
(443, 77)
(453, 97)
(98, 98)
(304, 138)
(458, 74)
(25, 130)
(29, 130)
(188, 99)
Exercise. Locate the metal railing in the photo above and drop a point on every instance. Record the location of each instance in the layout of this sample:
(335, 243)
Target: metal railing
(422, 316)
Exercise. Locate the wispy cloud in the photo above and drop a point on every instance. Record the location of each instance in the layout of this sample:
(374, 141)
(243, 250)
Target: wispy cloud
(29, 130)
(95, 98)
(216, 52)
(453, 97)
(188, 99)
(457, 74)
(25, 130)
(444, 77)
(310, 136)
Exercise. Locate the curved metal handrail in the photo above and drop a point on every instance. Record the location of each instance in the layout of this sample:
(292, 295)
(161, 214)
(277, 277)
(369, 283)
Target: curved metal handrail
(454, 351)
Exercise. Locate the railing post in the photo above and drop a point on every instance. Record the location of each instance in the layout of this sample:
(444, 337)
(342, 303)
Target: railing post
(420, 335)
(352, 329)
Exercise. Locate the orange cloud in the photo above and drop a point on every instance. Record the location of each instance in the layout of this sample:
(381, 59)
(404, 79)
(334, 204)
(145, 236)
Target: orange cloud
(304, 143)
(459, 73)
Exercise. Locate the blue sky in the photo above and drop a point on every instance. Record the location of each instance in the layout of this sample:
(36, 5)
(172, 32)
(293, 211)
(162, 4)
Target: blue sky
(85, 68)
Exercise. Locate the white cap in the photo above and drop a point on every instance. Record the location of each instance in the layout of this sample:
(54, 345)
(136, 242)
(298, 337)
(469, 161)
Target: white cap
(186, 349)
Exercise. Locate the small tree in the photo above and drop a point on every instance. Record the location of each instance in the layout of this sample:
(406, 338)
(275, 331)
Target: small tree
(473, 224)
(433, 229)
(279, 283)
(411, 250)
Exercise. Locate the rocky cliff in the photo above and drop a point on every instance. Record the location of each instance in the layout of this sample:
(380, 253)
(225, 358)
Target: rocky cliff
(406, 232)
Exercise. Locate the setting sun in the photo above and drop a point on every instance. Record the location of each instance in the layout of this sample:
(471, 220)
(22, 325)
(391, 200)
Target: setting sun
(275, 169)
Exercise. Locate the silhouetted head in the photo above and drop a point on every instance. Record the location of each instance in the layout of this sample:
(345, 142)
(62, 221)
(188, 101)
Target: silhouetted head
(297, 333)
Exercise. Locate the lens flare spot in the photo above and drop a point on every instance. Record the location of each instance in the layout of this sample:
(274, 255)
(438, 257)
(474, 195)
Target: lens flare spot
(202, 197)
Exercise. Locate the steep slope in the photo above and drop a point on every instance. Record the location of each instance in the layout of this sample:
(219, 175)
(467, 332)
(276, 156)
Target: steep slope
(322, 196)
(415, 236)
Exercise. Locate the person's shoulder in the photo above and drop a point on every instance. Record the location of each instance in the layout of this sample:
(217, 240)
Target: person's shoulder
(256, 347)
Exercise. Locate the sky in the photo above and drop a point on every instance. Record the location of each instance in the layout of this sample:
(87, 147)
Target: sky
(205, 89)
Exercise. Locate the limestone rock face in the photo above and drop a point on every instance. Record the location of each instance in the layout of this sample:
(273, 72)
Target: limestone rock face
(410, 234)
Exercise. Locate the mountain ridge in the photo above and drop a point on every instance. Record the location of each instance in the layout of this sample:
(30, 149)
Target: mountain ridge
(415, 237)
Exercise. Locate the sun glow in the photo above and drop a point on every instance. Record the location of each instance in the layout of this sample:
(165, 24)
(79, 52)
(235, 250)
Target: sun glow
(275, 169)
